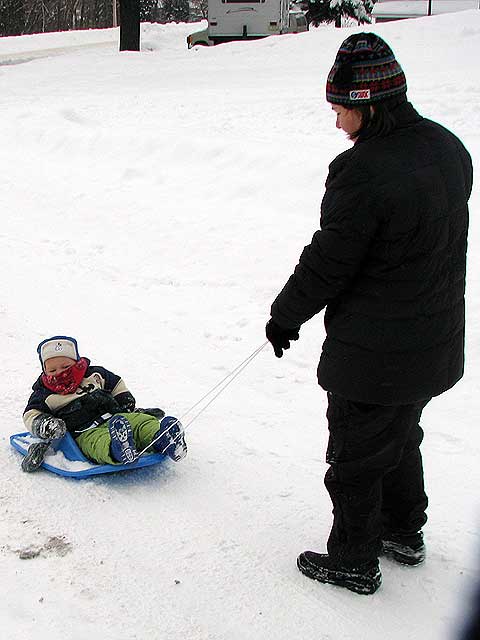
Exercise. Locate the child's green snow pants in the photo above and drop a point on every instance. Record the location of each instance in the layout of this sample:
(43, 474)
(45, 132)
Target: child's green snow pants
(95, 443)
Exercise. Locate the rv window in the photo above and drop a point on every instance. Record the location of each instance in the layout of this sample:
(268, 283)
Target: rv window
(242, 1)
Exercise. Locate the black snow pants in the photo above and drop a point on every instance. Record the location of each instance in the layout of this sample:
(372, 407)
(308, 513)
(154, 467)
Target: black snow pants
(375, 479)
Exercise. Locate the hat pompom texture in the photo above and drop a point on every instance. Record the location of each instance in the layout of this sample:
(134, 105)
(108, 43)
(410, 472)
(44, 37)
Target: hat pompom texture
(365, 71)
(57, 346)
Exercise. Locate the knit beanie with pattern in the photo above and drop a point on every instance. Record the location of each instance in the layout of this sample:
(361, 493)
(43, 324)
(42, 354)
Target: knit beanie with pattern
(365, 71)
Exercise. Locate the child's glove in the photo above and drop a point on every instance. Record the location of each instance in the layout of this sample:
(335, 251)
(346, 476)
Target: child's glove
(48, 427)
(126, 402)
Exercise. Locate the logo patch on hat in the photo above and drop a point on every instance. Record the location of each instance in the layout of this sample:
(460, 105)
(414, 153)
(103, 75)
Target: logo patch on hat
(360, 94)
(59, 346)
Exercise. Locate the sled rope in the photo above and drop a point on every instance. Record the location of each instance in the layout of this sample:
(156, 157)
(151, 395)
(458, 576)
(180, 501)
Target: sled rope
(218, 388)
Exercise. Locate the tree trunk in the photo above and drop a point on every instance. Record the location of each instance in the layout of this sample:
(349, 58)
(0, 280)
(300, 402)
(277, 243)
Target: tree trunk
(338, 22)
(129, 25)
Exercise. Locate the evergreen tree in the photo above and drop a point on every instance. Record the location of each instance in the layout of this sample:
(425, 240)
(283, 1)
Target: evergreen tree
(334, 10)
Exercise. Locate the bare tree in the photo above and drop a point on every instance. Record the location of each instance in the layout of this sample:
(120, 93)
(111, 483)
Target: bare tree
(12, 17)
(36, 16)
(176, 10)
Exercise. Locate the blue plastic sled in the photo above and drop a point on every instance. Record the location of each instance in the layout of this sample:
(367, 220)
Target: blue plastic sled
(65, 458)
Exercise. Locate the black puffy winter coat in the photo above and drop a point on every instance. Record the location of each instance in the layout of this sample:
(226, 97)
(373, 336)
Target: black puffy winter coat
(389, 265)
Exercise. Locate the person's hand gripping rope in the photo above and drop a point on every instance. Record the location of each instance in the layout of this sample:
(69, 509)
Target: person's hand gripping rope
(280, 338)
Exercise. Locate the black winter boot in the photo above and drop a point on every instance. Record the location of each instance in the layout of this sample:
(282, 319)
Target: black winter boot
(35, 456)
(406, 549)
(364, 579)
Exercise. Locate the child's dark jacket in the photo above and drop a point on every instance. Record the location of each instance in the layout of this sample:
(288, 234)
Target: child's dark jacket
(100, 392)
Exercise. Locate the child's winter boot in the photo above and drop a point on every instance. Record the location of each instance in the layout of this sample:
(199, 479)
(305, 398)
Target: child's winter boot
(171, 439)
(122, 446)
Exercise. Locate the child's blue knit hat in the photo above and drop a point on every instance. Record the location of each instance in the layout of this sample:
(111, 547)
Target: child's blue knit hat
(57, 346)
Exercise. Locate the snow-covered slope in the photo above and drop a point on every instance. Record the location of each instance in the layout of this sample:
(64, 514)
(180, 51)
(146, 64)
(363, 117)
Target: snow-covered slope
(153, 204)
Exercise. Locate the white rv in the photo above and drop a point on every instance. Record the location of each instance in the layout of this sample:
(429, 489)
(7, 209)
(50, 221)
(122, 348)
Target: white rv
(242, 20)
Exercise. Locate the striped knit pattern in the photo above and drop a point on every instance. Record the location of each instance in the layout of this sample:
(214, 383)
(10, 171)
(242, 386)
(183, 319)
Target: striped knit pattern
(365, 71)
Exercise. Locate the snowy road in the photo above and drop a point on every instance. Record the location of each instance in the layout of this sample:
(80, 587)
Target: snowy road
(27, 56)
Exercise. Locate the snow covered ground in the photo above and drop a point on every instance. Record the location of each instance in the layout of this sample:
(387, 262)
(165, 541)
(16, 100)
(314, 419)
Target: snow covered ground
(153, 205)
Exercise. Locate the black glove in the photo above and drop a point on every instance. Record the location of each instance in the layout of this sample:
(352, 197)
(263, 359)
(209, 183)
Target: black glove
(48, 427)
(280, 338)
(126, 402)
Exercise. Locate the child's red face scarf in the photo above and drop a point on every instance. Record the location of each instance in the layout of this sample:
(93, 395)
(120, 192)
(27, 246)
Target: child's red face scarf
(68, 380)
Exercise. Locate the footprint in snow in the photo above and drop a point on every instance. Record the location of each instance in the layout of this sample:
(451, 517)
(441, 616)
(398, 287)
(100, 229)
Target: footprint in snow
(56, 545)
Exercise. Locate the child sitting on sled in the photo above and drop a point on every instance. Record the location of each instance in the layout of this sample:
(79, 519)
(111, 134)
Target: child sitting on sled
(95, 406)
